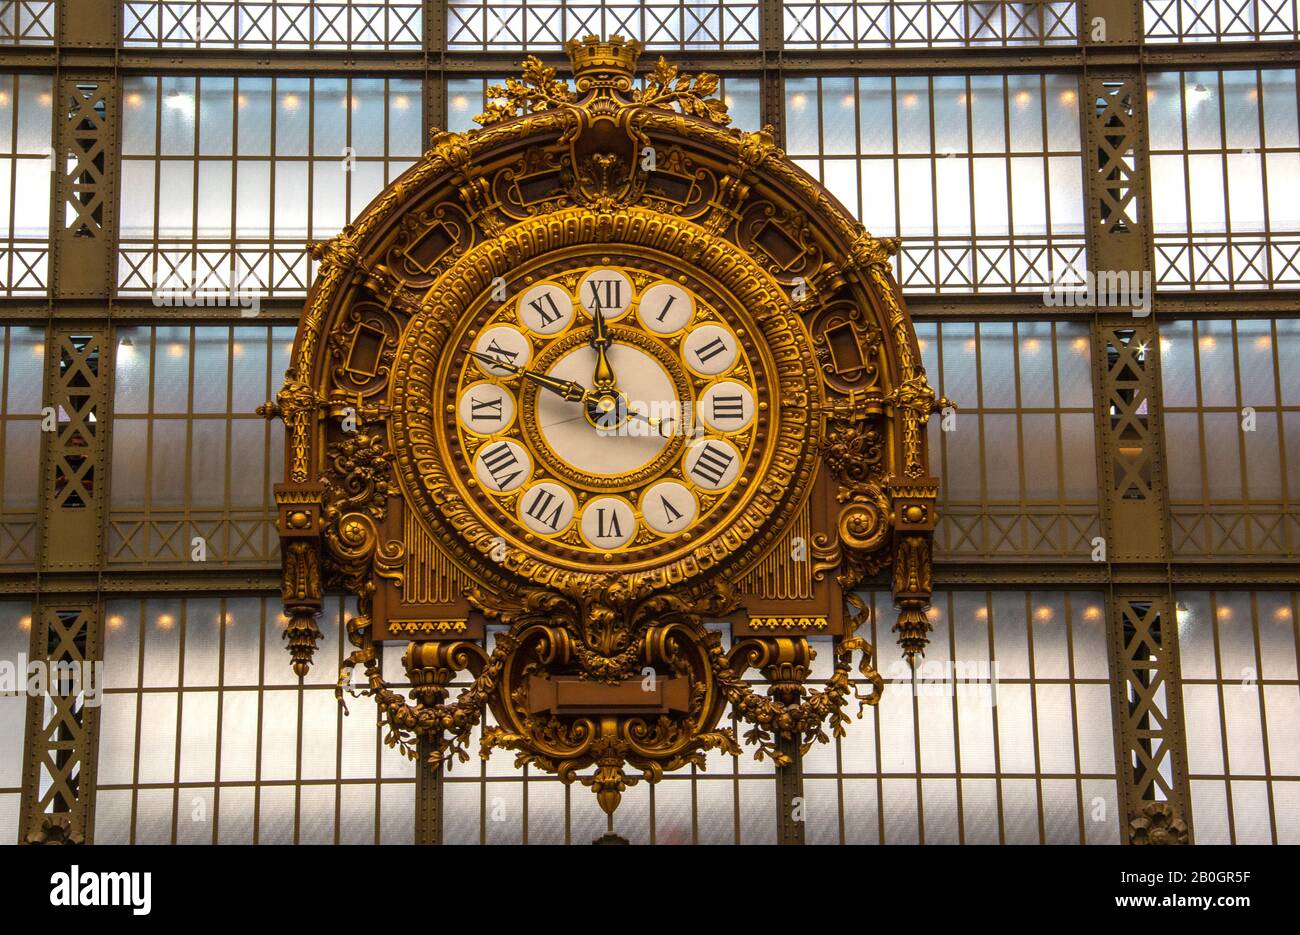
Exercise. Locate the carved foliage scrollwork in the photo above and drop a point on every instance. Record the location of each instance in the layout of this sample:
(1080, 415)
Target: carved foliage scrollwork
(537, 89)
(667, 88)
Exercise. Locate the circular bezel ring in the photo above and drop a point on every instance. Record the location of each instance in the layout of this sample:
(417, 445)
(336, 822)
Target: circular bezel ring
(776, 482)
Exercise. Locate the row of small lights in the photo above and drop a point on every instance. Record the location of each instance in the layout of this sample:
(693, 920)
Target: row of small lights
(175, 349)
(1042, 614)
(179, 100)
(164, 621)
(1032, 345)
(1022, 98)
(1195, 94)
(43, 99)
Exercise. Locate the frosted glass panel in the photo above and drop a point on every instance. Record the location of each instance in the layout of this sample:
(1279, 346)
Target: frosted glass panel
(969, 170)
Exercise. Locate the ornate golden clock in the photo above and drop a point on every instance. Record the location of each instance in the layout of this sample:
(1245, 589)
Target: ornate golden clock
(599, 373)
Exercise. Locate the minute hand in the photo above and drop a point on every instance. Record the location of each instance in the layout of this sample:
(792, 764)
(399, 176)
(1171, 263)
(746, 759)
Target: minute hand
(569, 390)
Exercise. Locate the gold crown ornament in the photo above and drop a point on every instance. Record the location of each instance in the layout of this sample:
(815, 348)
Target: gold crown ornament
(597, 62)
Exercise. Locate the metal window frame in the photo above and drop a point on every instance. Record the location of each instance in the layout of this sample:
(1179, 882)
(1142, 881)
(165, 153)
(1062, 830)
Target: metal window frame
(88, 50)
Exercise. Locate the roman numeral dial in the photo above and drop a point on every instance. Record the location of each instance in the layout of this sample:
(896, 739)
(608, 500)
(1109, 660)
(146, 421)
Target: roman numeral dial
(546, 309)
(710, 349)
(668, 507)
(608, 522)
(607, 289)
(503, 466)
(727, 406)
(547, 508)
(669, 455)
(665, 308)
(486, 408)
(506, 344)
(712, 463)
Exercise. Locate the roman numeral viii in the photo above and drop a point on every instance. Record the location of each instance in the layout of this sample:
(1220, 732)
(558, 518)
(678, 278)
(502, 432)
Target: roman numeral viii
(499, 460)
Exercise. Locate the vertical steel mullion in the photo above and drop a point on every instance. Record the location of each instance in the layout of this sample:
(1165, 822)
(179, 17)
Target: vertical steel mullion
(1011, 176)
(1072, 676)
(990, 625)
(139, 718)
(934, 180)
(1221, 87)
(1022, 499)
(1044, 124)
(1263, 715)
(1187, 178)
(1207, 501)
(182, 623)
(898, 206)
(194, 192)
(311, 154)
(1262, 152)
(875, 723)
(1062, 497)
(1223, 716)
(916, 752)
(1033, 711)
(157, 184)
(297, 762)
(224, 610)
(337, 837)
(271, 176)
(56, 204)
(970, 172)
(1243, 464)
(956, 720)
(236, 274)
(261, 710)
(1286, 505)
(977, 333)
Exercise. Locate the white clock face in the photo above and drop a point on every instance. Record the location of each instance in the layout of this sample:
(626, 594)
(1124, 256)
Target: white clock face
(608, 410)
(502, 343)
(616, 449)
(608, 290)
(608, 522)
(726, 406)
(503, 465)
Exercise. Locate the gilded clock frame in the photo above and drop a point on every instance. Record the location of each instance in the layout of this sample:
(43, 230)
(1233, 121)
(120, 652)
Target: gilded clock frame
(368, 504)
(787, 457)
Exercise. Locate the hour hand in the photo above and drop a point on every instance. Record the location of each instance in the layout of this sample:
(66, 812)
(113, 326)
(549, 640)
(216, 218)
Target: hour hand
(601, 340)
(573, 392)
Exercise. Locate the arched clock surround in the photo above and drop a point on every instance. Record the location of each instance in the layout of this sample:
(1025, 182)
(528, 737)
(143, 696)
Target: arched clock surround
(605, 660)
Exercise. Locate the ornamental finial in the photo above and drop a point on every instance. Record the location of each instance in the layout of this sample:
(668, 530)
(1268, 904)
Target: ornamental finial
(596, 58)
